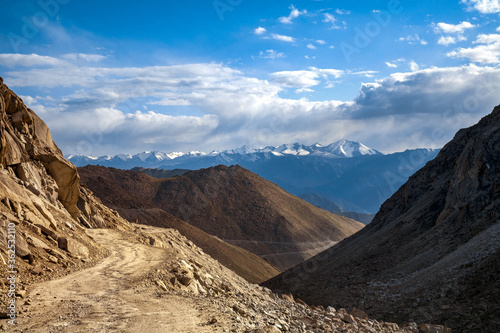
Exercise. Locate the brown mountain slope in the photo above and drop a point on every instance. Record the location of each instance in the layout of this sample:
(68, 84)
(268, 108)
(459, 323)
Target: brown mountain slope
(128, 193)
(432, 252)
(235, 205)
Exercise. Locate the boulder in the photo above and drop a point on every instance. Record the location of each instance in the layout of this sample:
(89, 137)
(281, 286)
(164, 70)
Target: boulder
(67, 179)
(73, 246)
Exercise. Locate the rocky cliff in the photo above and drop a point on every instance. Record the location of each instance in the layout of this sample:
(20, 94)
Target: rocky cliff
(432, 252)
(42, 200)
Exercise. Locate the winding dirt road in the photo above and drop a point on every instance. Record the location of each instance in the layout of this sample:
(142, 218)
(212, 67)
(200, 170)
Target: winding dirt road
(105, 298)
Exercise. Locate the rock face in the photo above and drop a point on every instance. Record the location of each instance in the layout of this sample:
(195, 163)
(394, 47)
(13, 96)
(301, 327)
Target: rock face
(25, 140)
(433, 249)
(231, 203)
(40, 197)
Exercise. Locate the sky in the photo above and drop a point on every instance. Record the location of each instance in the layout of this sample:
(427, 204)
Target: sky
(112, 77)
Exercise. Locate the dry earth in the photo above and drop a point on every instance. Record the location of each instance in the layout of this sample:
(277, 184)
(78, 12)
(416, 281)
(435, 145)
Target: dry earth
(107, 297)
(172, 286)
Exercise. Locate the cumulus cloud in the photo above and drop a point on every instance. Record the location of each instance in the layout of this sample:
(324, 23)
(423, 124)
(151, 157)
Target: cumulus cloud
(453, 28)
(414, 66)
(212, 106)
(283, 38)
(260, 31)
(391, 65)
(447, 40)
(487, 52)
(483, 6)
(321, 42)
(302, 79)
(311, 47)
(294, 13)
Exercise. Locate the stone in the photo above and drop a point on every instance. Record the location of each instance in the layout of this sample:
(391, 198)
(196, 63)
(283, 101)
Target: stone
(73, 246)
(348, 319)
(53, 259)
(46, 214)
(38, 243)
(355, 312)
(37, 270)
(162, 285)
(22, 249)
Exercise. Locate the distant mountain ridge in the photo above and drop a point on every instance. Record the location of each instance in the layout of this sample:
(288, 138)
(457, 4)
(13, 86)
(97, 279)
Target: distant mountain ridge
(152, 159)
(355, 177)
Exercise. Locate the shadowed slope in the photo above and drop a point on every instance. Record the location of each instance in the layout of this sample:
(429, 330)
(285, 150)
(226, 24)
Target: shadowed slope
(432, 249)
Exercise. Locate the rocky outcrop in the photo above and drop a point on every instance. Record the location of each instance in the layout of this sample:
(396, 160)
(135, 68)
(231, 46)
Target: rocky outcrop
(25, 141)
(40, 196)
(433, 249)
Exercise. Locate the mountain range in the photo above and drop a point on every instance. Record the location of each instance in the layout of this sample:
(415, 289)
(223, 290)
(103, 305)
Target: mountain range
(432, 252)
(357, 178)
(231, 203)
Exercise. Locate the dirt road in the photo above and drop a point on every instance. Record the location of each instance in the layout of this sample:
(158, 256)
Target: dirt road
(105, 298)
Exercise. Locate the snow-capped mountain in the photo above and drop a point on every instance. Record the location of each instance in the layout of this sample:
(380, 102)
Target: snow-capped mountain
(348, 173)
(153, 159)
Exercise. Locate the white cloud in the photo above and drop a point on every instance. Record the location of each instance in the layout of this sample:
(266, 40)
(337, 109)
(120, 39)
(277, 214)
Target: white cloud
(391, 65)
(259, 31)
(342, 12)
(271, 54)
(447, 40)
(487, 39)
(413, 39)
(28, 60)
(283, 38)
(300, 79)
(84, 57)
(329, 18)
(414, 66)
(311, 46)
(453, 28)
(498, 29)
(219, 107)
(303, 90)
(293, 15)
(365, 73)
(487, 52)
(483, 6)
(321, 42)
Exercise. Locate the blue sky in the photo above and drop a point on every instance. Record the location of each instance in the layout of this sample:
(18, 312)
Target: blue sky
(114, 77)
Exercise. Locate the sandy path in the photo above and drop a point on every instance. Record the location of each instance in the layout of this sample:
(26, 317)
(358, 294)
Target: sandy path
(104, 298)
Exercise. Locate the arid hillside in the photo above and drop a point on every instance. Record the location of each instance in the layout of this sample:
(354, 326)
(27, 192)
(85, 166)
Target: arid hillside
(231, 203)
(431, 253)
(41, 201)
